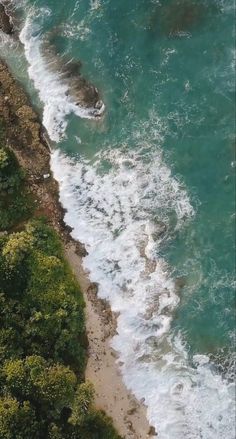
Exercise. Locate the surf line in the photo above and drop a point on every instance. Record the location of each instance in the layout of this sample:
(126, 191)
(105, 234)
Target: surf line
(61, 86)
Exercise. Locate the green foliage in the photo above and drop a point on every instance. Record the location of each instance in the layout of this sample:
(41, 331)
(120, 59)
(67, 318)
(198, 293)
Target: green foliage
(42, 327)
(11, 176)
(3, 159)
(50, 386)
(17, 421)
(82, 404)
(14, 262)
(15, 202)
(42, 343)
(51, 325)
(96, 426)
(46, 239)
(54, 432)
(16, 249)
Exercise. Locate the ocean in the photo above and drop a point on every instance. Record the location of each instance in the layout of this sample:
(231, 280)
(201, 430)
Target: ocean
(147, 175)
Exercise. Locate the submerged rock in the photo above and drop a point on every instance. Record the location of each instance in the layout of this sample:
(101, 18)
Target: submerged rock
(5, 21)
(177, 18)
(180, 283)
(80, 89)
(152, 431)
(85, 93)
(158, 229)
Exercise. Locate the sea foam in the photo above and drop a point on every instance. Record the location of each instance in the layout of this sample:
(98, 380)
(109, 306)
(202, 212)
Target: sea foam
(54, 91)
(115, 215)
(124, 214)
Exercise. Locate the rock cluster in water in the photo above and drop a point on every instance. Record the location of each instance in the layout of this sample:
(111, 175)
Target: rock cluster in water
(80, 89)
(83, 92)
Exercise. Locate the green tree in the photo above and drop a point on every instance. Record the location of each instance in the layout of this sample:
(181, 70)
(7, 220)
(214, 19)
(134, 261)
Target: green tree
(14, 260)
(54, 432)
(82, 404)
(50, 386)
(17, 421)
(16, 249)
(15, 203)
(11, 176)
(96, 425)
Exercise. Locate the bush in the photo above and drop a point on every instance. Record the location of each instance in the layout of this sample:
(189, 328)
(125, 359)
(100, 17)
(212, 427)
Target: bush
(42, 326)
(96, 426)
(11, 175)
(17, 421)
(52, 387)
(31, 270)
(15, 202)
(14, 260)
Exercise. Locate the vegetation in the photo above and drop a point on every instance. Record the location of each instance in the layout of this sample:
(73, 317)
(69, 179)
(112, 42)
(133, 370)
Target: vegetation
(42, 329)
(15, 202)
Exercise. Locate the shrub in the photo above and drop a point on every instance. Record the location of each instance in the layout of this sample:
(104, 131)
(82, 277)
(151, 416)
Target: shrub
(42, 326)
(17, 421)
(15, 202)
(11, 175)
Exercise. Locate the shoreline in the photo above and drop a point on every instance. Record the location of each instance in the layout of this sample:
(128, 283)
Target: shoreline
(33, 153)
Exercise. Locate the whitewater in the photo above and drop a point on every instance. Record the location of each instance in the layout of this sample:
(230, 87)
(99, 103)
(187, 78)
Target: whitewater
(127, 206)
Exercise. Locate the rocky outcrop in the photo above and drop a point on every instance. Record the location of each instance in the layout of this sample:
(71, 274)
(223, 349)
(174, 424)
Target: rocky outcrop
(5, 21)
(81, 250)
(80, 89)
(152, 432)
(26, 137)
(24, 131)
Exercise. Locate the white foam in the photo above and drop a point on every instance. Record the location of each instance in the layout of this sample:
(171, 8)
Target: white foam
(115, 214)
(6, 42)
(53, 91)
(95, 4)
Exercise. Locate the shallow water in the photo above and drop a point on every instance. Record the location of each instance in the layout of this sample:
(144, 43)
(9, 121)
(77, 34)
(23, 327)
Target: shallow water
(149, 186)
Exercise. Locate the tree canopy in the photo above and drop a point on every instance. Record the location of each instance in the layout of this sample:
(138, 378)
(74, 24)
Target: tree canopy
(42, 330)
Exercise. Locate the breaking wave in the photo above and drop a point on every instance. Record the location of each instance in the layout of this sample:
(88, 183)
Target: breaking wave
(54, 89)
(124, 215)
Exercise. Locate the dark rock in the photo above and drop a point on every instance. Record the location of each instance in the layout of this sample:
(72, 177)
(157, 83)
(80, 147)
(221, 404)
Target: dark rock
(176, 17)
(152, 341)
(160, 230)
(84, 93)
(5, 21)
(152, 431)
(99, 104)
(92, 290)
(180, 282)
(26, 113)
(81, 250)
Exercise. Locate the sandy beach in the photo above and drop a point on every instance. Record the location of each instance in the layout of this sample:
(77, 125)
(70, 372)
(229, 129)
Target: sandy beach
(27, 138)
(102, 370)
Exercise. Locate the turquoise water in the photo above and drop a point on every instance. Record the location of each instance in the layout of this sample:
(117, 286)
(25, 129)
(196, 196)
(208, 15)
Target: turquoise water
(162, 154)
